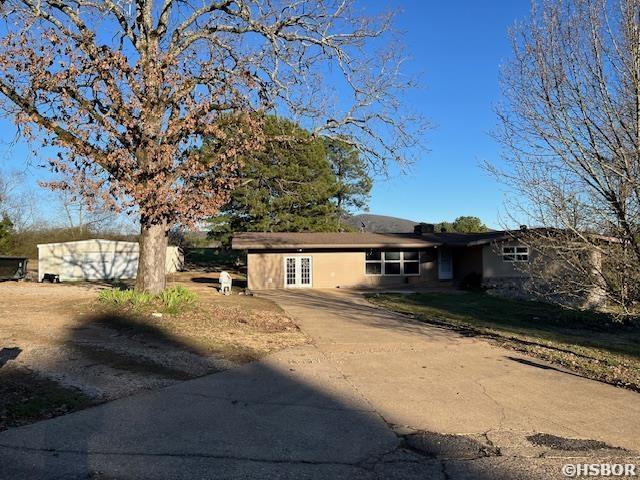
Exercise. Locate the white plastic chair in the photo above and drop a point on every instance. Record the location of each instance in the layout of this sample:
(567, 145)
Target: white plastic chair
(225, 282)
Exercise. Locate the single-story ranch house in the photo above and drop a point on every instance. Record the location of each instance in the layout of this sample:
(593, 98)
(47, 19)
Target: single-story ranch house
(363, 259)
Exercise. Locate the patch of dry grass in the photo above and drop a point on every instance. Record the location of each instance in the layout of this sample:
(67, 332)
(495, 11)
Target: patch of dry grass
(131, 348)
(25, 397)
(229, 332)
(234, 327)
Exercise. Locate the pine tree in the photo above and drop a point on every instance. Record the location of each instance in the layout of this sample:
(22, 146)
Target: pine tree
(6, 234)
(354, 182)
(288, 186)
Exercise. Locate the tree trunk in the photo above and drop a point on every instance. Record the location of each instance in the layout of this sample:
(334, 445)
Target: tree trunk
(153, 253)
(597, 290)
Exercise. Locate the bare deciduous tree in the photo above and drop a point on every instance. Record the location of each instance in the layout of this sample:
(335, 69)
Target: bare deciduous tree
(16, 203)
(81, 217)
(127, 89)
(571, 126)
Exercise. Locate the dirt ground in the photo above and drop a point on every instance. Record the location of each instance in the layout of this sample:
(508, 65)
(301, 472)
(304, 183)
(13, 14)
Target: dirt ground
(57, 335)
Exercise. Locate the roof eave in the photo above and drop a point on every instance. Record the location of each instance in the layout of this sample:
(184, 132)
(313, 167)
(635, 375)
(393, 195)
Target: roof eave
(84, 241)
(329, 246)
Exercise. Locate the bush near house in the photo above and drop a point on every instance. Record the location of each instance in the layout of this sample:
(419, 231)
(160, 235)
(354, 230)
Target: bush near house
(593, 344)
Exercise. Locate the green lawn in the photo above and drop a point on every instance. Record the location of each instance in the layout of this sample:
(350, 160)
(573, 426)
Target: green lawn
(593, 344)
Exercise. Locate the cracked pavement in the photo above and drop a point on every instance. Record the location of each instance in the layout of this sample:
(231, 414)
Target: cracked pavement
(375, 396)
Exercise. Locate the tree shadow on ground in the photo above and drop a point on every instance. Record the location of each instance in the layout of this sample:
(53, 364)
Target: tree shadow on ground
(7, 354)
(550, 322)
(156, 350)
(542, 366)
(26, 397)
(286, 417)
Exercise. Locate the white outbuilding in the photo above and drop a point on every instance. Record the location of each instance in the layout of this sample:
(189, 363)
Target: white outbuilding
(97, 259)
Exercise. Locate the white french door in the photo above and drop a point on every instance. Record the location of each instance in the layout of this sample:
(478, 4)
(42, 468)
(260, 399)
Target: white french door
(445, 264)
(297, 272)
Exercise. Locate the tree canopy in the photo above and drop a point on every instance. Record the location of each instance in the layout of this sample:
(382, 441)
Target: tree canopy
(125, 90)
(295, 183)
(287, 186)
(463, 224)
(6, 234)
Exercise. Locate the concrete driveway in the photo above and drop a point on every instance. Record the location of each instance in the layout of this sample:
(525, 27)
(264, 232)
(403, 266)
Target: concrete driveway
(375, 396)
(433, 379)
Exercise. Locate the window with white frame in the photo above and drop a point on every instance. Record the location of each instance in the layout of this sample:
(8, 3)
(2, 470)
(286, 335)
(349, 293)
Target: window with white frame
(373, 262)
(378, 262)
(515, 253)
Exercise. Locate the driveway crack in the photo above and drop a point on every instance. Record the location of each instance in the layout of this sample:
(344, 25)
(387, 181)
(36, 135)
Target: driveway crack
(55, 451)
(496, 402)
(245, 403)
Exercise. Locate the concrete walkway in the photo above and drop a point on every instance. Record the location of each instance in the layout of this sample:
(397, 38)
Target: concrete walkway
(370, 399)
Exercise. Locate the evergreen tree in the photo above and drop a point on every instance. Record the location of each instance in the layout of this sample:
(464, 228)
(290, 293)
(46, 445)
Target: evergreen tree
(354, 182)
(288, 186)
(6, 234)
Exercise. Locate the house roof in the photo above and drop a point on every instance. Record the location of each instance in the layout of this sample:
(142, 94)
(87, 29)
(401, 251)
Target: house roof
(342, 240)
(329, 240)
(345, 240)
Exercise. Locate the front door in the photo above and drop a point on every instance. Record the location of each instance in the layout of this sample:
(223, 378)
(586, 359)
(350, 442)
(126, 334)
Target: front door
(445, 264)
(297, 272)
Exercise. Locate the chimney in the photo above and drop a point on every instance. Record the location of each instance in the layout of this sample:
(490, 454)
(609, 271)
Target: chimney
(422, 228)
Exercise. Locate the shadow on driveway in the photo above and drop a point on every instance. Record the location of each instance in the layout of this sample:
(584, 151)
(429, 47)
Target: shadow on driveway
(290, 416)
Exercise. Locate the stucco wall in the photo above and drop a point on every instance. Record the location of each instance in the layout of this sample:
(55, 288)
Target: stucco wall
(264, 271)
(330, 270)
(493, 266)
(97, 260)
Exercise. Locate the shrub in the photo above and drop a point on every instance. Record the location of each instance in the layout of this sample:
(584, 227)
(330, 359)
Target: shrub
(172, 300)
(472, 281)
(175, 299)
(116, 297)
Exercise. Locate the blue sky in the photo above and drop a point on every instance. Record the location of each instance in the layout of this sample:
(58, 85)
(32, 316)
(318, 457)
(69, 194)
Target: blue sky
(456, 48)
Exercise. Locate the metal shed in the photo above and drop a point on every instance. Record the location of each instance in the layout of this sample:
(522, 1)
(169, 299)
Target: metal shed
(97, 259)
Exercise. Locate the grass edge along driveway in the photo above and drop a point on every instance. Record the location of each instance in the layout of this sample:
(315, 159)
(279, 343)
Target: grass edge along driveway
(594, 345)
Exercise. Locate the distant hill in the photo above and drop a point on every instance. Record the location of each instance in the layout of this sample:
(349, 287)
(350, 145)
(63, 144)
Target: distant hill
(381, 223)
